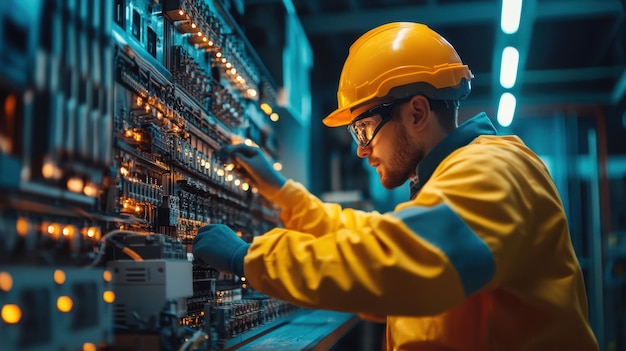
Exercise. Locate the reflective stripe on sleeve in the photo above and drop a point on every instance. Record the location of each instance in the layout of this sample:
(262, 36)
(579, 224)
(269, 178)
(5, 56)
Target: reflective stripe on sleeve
(443, 228)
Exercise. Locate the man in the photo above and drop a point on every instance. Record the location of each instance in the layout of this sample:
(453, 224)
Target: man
(479, 258)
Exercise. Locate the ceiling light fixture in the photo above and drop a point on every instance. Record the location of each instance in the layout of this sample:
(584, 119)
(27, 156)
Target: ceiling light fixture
(506, 109)
(511, 13)
(508, 67)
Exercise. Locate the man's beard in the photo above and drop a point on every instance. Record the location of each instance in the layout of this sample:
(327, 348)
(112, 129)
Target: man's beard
(401, 165)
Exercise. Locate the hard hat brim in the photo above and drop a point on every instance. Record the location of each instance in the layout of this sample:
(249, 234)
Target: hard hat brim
(341, 116)
(337, 118)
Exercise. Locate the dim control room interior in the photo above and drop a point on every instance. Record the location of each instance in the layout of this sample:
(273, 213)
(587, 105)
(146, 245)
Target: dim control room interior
(115, 112)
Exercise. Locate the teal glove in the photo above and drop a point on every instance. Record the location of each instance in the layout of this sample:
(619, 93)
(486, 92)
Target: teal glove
(256, 164)
(218, 246)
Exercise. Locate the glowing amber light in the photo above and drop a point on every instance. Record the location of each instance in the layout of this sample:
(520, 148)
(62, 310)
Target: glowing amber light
(9, 105)
(245, 186)
(274, 117)
(6, 281)
(75, 185)
(64, 303)
(237, 182)
(108, 296)
(59, 276)
(90, 190)
(91, 232)
(229, 167)
(89, 347)
(47, 170)
(50, 171)
(11, 314)
(252, 92)
(229, 178)
(21, 226)
(266, 108)
(277, 166)
(69, 230)
(53, 229)
(107, 276)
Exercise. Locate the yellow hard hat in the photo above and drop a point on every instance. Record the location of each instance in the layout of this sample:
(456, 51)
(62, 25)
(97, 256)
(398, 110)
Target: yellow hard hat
(399, 59)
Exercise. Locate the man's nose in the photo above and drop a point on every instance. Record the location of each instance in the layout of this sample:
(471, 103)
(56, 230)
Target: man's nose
(362, 152)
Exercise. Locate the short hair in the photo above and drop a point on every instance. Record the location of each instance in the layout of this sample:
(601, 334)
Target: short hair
(446, 111)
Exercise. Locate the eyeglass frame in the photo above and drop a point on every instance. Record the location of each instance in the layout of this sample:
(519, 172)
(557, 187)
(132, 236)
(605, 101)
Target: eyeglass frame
(385, 111)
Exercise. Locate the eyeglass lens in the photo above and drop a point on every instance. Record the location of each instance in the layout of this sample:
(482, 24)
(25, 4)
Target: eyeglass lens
(363, 130)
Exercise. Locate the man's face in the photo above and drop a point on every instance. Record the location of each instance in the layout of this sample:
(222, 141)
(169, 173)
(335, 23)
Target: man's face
(400, 164)
(393, 150)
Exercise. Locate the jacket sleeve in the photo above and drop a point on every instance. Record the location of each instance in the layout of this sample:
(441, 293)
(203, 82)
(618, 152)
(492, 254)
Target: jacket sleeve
(422, 259)
(304, 212)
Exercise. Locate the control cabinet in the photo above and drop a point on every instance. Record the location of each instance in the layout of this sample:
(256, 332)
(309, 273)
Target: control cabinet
(112, 113)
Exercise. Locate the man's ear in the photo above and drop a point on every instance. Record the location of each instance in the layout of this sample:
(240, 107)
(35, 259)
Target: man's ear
(420, 111)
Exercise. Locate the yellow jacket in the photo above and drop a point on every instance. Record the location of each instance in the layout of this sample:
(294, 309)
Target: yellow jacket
(479, 259)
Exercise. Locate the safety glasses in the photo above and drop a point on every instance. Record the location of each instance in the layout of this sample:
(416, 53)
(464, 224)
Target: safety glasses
(366, 125)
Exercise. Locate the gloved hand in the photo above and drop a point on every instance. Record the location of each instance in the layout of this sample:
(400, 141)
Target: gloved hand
(256, 164)
(218, 246)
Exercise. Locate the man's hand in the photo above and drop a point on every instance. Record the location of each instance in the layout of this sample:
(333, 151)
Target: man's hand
(218, 246)
(256, 164)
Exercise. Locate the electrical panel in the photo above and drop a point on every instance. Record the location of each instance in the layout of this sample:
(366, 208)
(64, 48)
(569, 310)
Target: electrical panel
(112, 113)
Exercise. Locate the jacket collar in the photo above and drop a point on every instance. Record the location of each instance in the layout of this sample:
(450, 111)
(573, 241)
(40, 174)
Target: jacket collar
(464, 134)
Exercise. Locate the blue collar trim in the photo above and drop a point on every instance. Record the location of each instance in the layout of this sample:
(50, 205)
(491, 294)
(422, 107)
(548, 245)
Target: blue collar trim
(464, 134)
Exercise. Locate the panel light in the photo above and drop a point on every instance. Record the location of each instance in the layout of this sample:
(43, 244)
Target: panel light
(508, 67)
(506, 109)
(511, 13)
